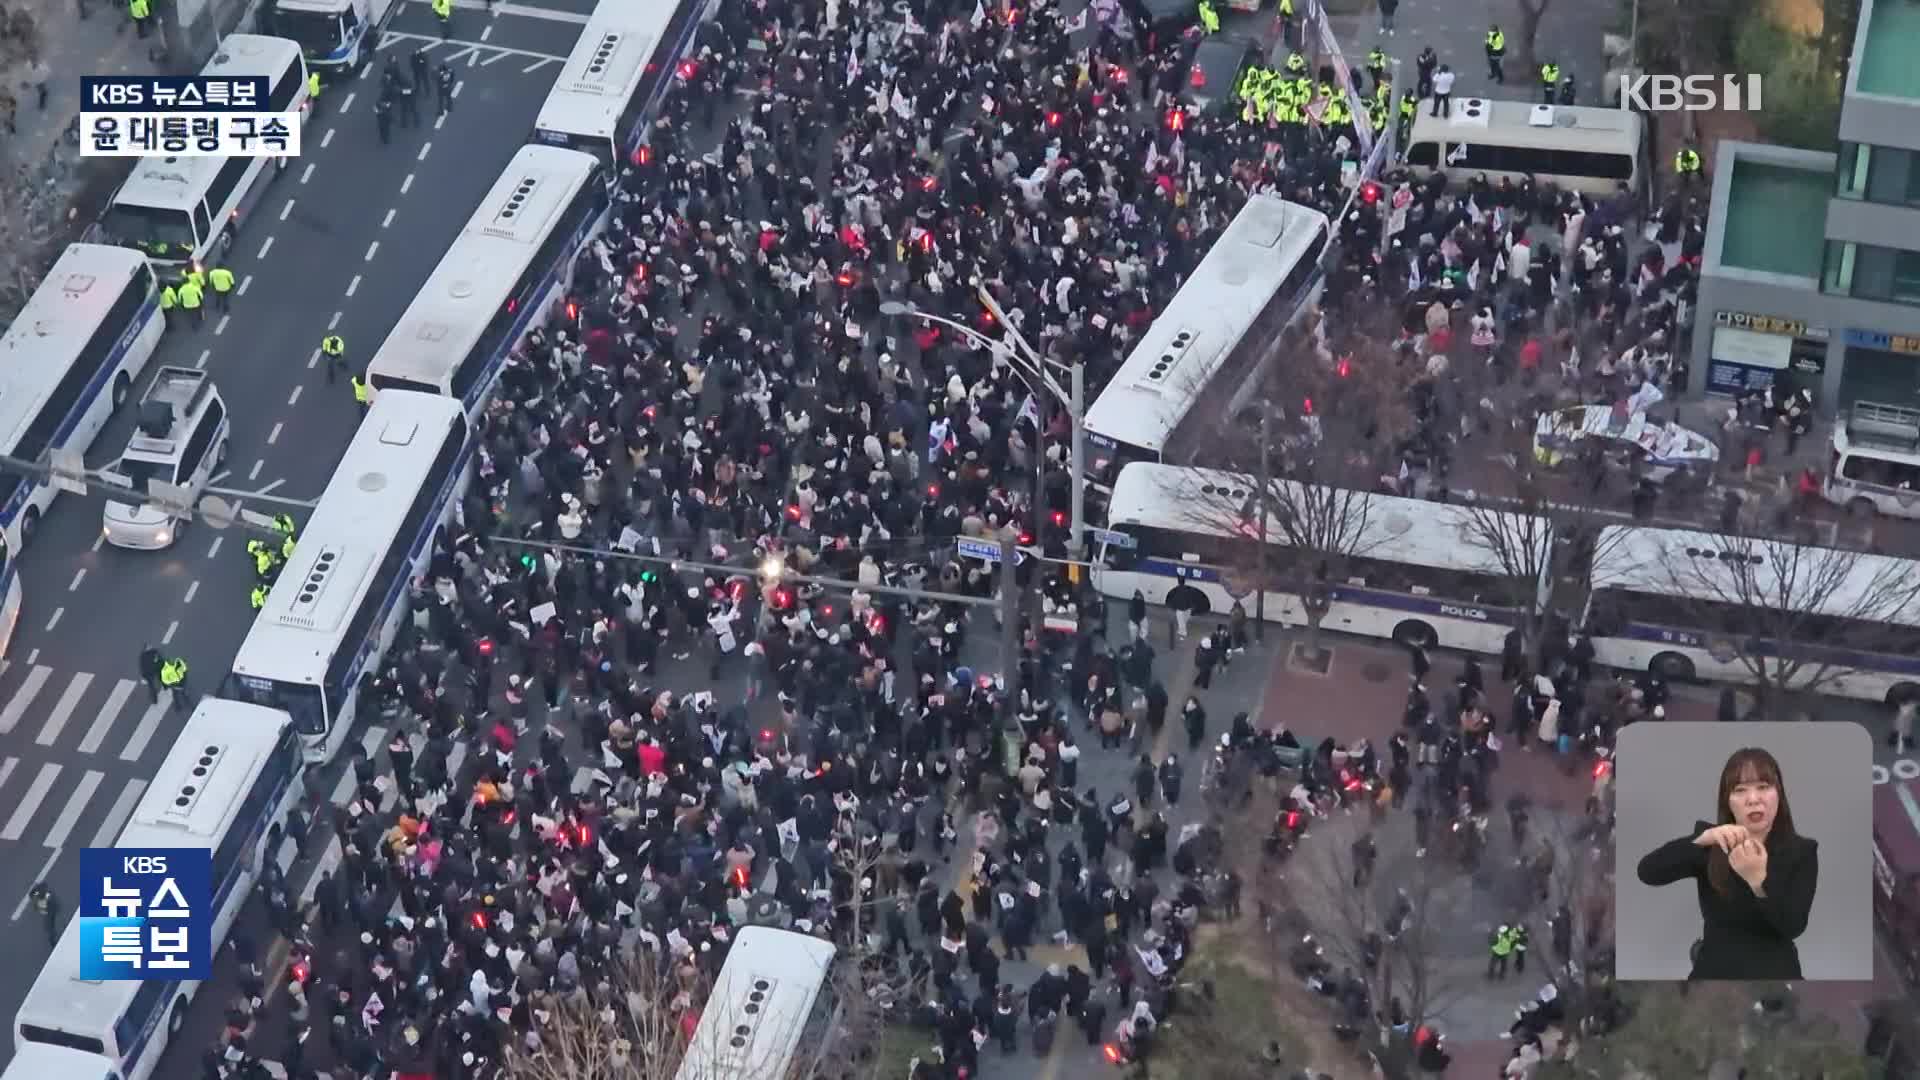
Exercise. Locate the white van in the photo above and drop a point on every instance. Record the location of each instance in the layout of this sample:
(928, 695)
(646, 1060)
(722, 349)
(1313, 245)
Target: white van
(335, 35)
(1876, 461)
(181, 440)
(1580, 149)
(179, 209)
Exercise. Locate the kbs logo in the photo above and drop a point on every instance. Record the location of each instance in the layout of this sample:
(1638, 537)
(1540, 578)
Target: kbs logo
(1691, 93)
(146, 913)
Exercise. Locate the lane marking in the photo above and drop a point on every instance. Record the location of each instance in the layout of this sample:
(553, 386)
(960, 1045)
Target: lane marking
(425, 149)
(244, 282)
(149, 722)
(6, 769)
(521, 10)
(110, 712)
(407, 184)
(486, 33)
(440, 121)
(205, 355)
(193, 587)
(457, 87)
(53, 856)
(294, 398)
(463, 54)
(264, 248)
(63, 709)
(274, 435)
(325, 141)
(306, 174)
(117, 817)
(499, 56)
(97, 541)
(388, 220)
(79, 576)
(535, 66)
(334, 323)
(22, 700)
(221, 326)
(354, 285)
(172, 629)
(214, 551)
(62, 827)
(286, 210)
(314, 360)
(372, 250)
(30, 802)
(270, 488)
(473, 58)
(429, 42)
(255, 473)
(55, 621)
(347, 102)
(33, 657)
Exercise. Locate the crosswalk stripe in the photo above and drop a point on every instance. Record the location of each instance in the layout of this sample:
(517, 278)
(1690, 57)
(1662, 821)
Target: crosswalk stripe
(116, 700)
(109, 830)
(30, 803)
(6, 769)
(23, 698)
(76, 805)
(149, 723)
(63, 710)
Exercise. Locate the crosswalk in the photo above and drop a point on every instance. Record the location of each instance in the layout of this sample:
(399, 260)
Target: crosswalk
(72, 745)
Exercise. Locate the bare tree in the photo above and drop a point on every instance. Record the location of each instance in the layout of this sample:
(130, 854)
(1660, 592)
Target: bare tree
(1713, 1030)
(30, 225)
(1788, 615)
(1531, 13)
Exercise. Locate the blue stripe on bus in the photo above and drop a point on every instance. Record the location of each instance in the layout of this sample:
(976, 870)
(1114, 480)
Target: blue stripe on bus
(1355, 594)
(220, 894)
(483, 386)
(1825, 655)
(640, 130)
(92, 391)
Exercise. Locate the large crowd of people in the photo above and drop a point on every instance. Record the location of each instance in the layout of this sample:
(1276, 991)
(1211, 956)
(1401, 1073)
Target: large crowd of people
(732, 393)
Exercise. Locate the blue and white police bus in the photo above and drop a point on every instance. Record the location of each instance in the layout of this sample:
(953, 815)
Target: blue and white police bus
(627, 56)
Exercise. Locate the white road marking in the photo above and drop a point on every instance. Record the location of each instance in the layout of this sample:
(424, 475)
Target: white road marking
(354, 285)
(440, 121)
(55, 621)
(244, 282)
(294, 398)
(264, 248)
(388, 220)
(63, 709)
(407, 184)
(167, 638)
(53, 856)
(149, 721)
(306, 174)
(97, 541)
(457, 87)
(79, 576)
(314, 360)
(372, 250)
(274, 435)
(499, 56)
(462, 54)
(193, 587)
(425, 149)
(214, 551)
(30, 802)
(429, 42)
(486, 33)
(205, 355)
(254, 473)
(62, 827)
(221, 326)
(116, 700)
(347, 102)
(325, 141)
(286, 210)
(334, 323)
(33, 657)
(521, 10)
(6, 769)
(117, 817)
(533, 67)
(21, 701)
(270, 488)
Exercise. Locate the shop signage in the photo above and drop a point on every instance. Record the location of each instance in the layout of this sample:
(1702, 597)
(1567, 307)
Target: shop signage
(1769, 324)
(1874, 339)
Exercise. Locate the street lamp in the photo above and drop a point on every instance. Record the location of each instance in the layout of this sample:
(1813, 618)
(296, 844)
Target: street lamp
(1034, 369)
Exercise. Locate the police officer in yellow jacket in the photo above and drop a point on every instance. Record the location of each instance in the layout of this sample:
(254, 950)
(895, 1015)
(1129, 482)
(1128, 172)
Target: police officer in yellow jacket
(443, 10)
(286, 549)
(334, 348)
(1209, 18)
(283, 523)
(1686, 164)
(362, 394)
(173, 678)
(169, 301)
(1286, 23)
(191, 295)
(1496, 54)
(221, 279)
(264, 563)
(259, 596)
(1549, 82)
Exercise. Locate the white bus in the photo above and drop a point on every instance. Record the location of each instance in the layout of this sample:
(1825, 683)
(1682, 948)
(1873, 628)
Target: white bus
(1414, 571)
(1257, 278)
(627, 56)
(772, 1007)
(1590, 150)
(1694, 605)
(67, 362)
(234, 773)
(181, 209)
(497, 279)
(340, 600)
(337, 36)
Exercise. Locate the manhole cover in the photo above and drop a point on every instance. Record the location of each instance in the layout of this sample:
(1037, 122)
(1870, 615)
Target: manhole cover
(1376, 672)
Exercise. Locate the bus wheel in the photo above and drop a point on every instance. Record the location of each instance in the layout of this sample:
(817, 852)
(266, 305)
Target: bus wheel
(29, 523)
(226, 240)
(1903, 693)
(1862, 508)
(1672, 667)
(1414, 633)
(122, 385)
(177, 1019)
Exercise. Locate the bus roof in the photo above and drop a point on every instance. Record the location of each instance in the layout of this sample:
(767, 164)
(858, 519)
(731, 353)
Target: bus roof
(1806, 578)
(344, 543)
(1213, 310)
(176, 183)
(253, 54)
(50, 332)
(452, 310)
(1574, 127)
(794, 968)
(606, 64)
(1389, 528)
(37, 1061)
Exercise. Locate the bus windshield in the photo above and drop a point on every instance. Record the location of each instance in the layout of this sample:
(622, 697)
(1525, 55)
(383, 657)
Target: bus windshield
(301, 702)
(140, 472)
(148, 225)
(317, 33)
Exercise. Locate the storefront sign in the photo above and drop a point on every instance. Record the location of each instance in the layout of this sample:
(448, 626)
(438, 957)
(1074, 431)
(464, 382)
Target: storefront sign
(1769, 324)
(1874, 339)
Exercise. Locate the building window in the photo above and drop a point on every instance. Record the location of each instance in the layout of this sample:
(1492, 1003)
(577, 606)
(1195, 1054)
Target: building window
(1870, 272)
(1879, 174)
(1839, 267)
(1854, 161)
(1906, 277)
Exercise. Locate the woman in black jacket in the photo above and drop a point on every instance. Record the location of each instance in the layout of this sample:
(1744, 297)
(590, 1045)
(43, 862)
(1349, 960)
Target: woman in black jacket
(1755, 875)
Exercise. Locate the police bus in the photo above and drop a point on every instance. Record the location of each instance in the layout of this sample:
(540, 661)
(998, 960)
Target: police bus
(234, 773)
(339, 601)
(67, 362)
(497, 279)
(1694, 605)
(1591, 150)
(336, 35)
(1258, 276)
(627, 56)
(183, 209)
(772, 1011)
(1413, 571)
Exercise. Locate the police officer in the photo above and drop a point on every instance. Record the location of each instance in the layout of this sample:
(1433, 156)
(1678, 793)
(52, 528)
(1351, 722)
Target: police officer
(1496, 53)
(259, 597)
(1519, 950)
(283, 523)
(190, 294)
(383, 118)
(409, 103)
(443, 10)
(1686, 164)
(362, 394)
(417, 64)
(313, 87)
(286, 548)
(1377, 67)
(173, 678)
(264, 564)
(1286, 23)
(443, 81)
(169, 301)
(1499, 948)
(142, 13)
(1549, 82)
(48, 905)
(1209, 18)
(335, 350)
(150, 661)
(221, 279)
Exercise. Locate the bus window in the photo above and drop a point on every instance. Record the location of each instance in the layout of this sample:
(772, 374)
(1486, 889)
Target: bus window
(1424, 153)
(149, 225)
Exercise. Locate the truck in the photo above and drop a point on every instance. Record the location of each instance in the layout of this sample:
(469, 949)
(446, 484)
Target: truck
(180, 441)
(335, 35)
(1896, 872)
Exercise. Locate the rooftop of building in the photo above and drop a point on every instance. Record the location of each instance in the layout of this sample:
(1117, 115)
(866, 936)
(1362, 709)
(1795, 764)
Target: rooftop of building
(1890, 57)
(1776, 218)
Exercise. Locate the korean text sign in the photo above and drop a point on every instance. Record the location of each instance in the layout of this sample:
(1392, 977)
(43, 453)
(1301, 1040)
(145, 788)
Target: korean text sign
(184, 116)
(173, 93)
(146, 913)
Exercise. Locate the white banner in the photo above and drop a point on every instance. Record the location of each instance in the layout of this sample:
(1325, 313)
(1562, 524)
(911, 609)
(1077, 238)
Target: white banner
(262, 134)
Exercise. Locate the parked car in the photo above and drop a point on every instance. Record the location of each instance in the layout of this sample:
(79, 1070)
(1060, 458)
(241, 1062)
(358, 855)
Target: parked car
(1656, 451)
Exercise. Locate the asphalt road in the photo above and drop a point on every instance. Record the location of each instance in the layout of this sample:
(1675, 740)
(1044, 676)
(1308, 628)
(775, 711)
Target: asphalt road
(340, 242)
